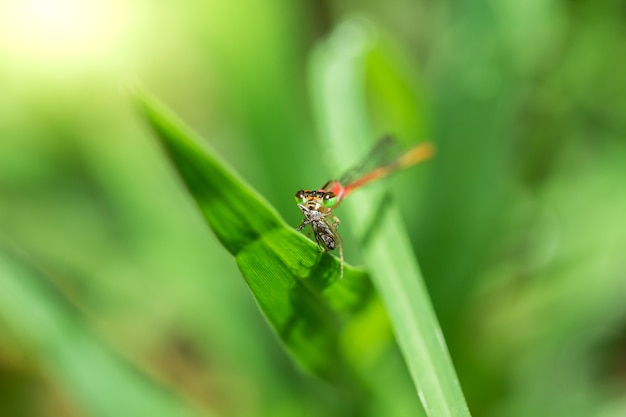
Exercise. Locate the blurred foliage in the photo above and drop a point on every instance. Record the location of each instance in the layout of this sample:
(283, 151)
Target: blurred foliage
(107, 287)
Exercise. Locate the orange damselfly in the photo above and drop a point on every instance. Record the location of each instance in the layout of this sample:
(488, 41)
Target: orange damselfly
(317, 205)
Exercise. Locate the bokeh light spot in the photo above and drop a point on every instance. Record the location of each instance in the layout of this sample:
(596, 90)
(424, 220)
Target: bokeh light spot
(58, 29)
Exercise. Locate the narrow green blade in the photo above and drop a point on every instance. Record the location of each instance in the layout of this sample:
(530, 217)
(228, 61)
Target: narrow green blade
(339, 81)
(73, 355)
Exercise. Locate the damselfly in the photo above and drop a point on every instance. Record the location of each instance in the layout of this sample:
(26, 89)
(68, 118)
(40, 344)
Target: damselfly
(317, 205)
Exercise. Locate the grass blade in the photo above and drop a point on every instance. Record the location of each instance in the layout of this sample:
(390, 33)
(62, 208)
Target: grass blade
(71, 353)
(339, 84)
(296, 286)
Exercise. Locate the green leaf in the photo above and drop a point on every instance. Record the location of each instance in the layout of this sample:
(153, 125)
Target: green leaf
(295, 285)
(339, 79)
(44, 320)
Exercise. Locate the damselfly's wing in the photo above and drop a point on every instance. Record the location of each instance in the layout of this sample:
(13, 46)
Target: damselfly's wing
(383, 153)
(385, 158)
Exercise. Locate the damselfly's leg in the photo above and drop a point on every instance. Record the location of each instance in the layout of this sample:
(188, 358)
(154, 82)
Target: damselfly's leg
(303, 224)
(308, 217)
(340, 262)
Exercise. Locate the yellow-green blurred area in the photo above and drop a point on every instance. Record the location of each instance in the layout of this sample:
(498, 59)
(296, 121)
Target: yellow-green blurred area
(115, 297)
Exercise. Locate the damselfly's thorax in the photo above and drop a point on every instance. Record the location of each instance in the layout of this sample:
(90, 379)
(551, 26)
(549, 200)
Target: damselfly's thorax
(324, 234)
(324, 227)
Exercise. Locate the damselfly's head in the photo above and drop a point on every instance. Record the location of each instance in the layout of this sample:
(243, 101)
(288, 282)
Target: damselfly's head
(316, 200)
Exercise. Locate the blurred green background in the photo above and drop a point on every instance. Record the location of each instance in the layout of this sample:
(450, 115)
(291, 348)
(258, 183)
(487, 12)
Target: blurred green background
(116, 299)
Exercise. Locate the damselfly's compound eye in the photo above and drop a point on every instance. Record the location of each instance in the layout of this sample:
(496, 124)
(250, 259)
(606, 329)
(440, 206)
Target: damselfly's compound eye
(329, 200)
(300, 197)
